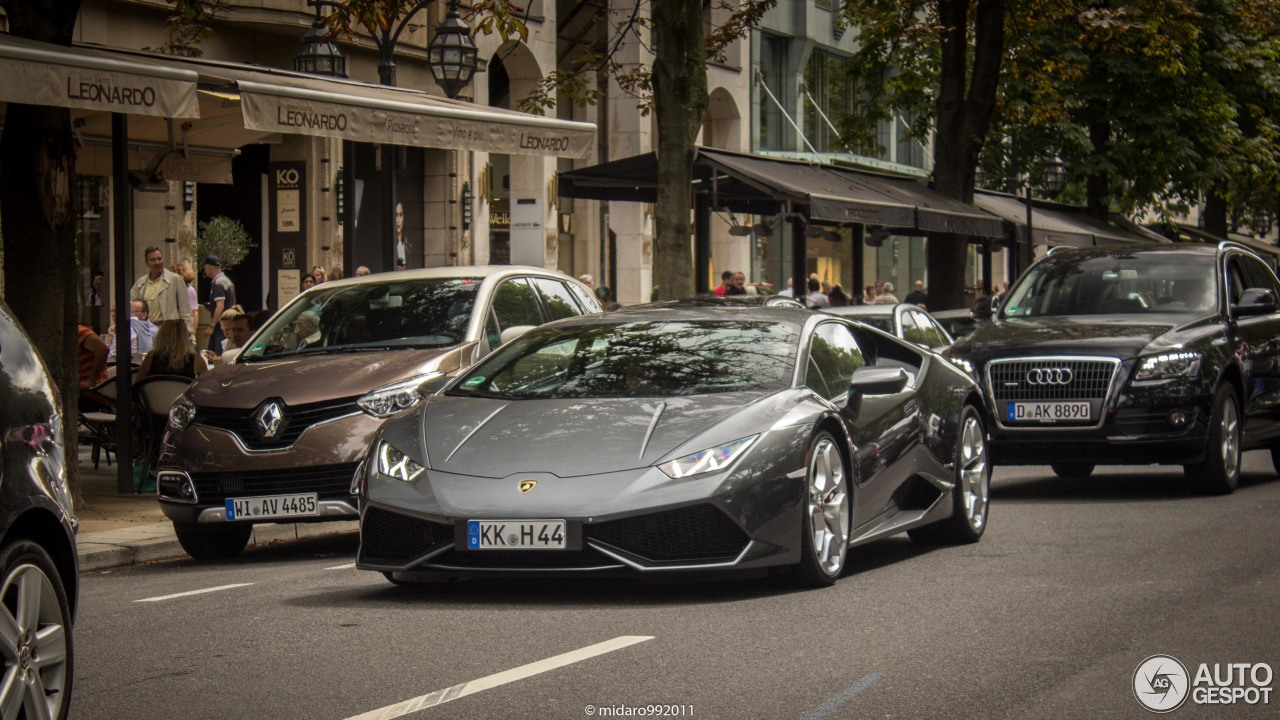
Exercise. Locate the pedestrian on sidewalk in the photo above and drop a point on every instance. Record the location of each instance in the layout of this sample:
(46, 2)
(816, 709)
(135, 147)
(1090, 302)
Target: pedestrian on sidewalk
(222, 295)
(163, 291)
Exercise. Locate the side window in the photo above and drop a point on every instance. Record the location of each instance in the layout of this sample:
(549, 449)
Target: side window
(833, 356)
(935, 336)
(1259, 275)
(514, 304)
(911, 330)
(556, 298)
(585, 299)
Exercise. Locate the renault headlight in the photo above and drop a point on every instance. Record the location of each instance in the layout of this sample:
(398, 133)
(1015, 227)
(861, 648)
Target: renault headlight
(707, 461)
(181, 413)
(395, 464)
(391, 399)
(1168, 365)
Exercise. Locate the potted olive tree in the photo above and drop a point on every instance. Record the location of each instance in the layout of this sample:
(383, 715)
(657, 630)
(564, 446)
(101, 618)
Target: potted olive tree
(225, 238)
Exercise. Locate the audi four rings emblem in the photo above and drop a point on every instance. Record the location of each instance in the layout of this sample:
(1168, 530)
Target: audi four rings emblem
(1049, 376)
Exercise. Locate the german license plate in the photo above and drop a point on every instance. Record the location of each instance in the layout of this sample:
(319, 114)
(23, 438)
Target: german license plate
(1048, 412)
(273, 506)
(515, 535)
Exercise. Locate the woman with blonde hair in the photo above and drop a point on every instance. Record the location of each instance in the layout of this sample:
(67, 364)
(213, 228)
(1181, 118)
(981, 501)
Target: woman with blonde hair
(189, 277)
(172, 353)
(317, 272)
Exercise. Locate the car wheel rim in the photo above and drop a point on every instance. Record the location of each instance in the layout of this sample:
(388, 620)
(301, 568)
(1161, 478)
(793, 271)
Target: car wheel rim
(33, 642)
(828, 507)
(1230, 439)
(974, 478)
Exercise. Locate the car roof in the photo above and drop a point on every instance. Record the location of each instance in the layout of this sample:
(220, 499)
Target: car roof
(677, 311)
(452, 271)
(872, 309)
(1128, 249)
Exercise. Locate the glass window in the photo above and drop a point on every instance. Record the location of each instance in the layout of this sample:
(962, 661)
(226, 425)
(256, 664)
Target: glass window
(430, 313)
(557, 299)
(514, 304)
(833, 356)
(1259, 275)
(931, 336)
(1090, 283)
(585, 299)
(638, 359)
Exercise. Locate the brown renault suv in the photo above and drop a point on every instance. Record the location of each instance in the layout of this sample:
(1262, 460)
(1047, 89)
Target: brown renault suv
(276, 434)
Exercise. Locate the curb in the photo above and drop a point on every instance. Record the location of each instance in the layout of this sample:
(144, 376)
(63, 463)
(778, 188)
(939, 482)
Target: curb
(153, 543)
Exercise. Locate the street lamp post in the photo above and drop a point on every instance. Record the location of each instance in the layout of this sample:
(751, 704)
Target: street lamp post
(451, 57)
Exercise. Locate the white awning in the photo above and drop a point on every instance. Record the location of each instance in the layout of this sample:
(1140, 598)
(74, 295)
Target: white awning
(279, 101)
(187, 116)
(37, 73)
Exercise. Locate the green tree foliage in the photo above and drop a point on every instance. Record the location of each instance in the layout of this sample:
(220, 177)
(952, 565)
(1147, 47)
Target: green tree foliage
(939, 63)
(224, 237)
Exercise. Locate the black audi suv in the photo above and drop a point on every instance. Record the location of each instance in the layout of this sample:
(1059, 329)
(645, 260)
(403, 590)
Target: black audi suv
(1134, 355)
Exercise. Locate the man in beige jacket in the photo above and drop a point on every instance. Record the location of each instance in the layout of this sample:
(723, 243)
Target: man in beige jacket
(164, 291)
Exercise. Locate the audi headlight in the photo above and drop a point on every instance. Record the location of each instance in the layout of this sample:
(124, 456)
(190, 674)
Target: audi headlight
(391, 399)
(395, 464)
(181, 413)
(1168, 365)
(707, 461)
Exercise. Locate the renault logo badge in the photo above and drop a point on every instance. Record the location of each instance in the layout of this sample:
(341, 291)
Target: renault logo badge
(527, 485)
(268, 419)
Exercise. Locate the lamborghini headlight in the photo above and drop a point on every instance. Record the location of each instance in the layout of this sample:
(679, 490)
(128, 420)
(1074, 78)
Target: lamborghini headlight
(707, 461)
(391, 399)
(1168, 365)
(181, 413)
(395, 464)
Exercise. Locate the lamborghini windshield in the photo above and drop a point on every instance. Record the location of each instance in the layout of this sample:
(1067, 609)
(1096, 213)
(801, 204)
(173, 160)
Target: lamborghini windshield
(638, 359)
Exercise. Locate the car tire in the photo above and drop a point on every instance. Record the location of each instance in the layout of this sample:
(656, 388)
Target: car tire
(1071, 470)
(1275, 459)
(38, 657)
(825, 517)
(971, 494)
(213, 542)
(1219, 473)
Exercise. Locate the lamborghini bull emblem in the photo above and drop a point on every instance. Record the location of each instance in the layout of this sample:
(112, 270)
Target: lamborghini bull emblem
(527, 485)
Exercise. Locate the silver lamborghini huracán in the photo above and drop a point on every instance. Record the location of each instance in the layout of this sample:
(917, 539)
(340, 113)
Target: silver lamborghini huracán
(669, 439)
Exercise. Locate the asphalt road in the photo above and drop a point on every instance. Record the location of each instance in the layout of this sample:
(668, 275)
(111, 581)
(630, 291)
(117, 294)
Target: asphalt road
(1074, 585)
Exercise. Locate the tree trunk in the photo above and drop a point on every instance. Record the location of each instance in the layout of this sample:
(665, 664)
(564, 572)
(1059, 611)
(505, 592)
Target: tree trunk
(966, 102)
(680, 100)
(38, 216)
(1214, 216)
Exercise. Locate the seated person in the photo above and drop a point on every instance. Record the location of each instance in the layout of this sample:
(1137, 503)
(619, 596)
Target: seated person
(142, 332)
(173, 353)
(91, 353)
(307, 327)
(1188, 294)
(236, 329)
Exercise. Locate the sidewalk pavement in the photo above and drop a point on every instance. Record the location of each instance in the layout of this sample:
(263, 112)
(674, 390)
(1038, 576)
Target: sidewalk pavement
(135, 530)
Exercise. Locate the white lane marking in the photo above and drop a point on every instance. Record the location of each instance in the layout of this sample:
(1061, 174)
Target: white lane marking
(845, 696)
(192, 592)
(439, 697)
(348, 566)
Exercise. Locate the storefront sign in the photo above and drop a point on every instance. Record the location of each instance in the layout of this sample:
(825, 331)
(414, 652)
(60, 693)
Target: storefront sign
(526, 232)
